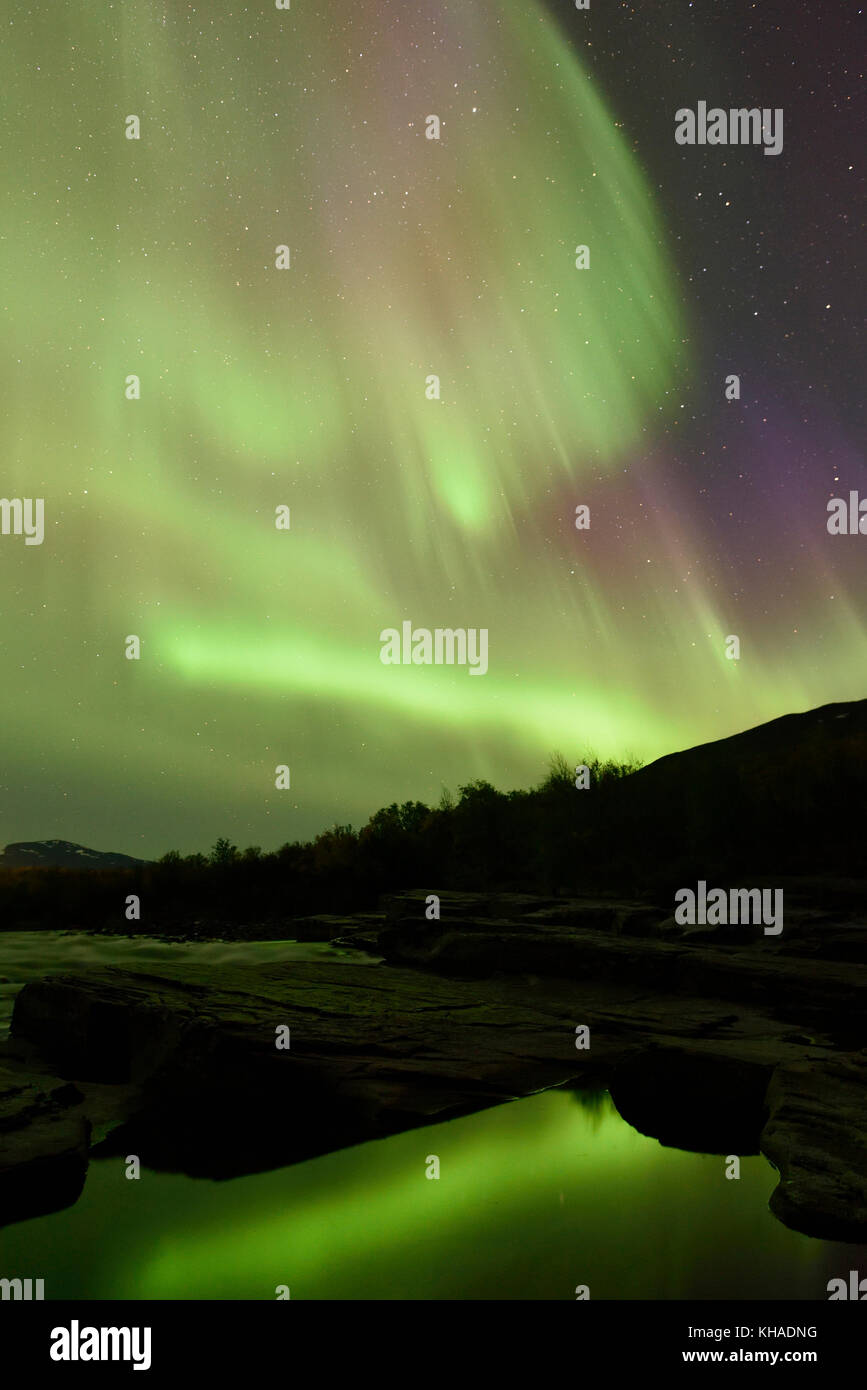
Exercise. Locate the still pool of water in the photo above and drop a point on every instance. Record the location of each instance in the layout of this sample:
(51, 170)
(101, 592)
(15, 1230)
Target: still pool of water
(533, 1199)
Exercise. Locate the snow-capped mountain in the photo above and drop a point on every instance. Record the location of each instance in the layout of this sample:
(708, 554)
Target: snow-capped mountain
(62, 854)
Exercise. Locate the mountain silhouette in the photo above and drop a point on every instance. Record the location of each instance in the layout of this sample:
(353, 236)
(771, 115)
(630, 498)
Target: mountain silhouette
(790, 794)
(62, 854)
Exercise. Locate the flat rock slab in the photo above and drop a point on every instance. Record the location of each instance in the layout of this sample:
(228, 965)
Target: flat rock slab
(823, 919)
(830, 992)
(816, 1136)
(44, 1137)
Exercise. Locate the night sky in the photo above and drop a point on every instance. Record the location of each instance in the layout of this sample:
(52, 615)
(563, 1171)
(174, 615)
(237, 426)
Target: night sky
(306, 387)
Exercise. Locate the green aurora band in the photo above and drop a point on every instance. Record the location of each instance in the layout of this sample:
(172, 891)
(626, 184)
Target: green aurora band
(306, 387)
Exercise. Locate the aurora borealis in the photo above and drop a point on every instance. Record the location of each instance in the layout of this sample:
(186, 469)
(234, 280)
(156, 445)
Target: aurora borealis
(306, 388)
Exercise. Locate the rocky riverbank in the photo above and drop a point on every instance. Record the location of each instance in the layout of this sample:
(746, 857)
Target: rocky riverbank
(722, 1040)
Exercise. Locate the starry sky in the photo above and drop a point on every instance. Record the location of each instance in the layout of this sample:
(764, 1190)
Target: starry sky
(307, 388)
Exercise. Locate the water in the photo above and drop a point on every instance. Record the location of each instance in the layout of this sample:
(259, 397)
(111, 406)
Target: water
(533, 1199)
